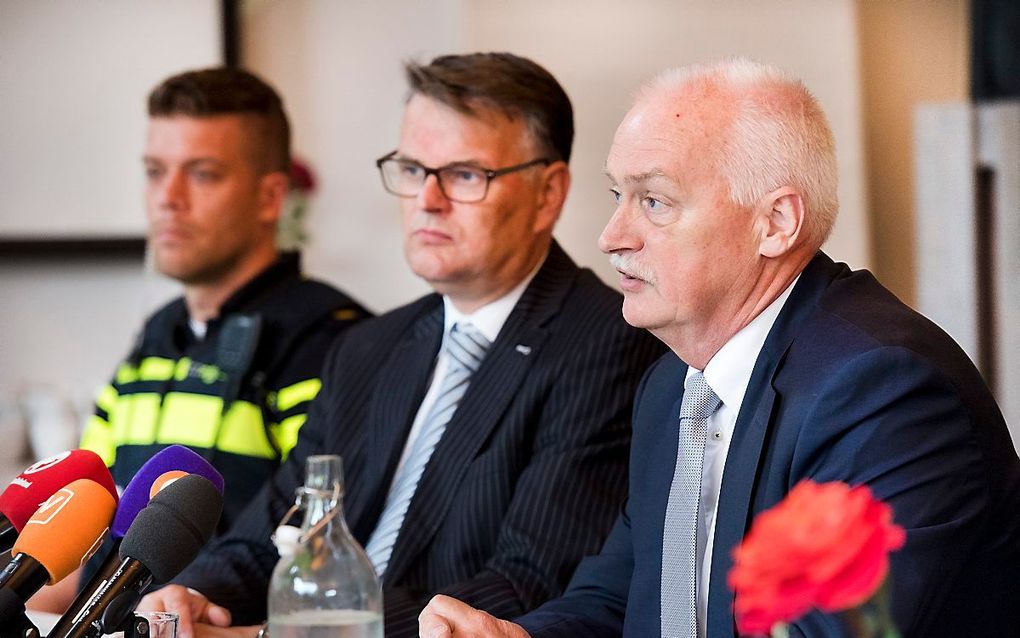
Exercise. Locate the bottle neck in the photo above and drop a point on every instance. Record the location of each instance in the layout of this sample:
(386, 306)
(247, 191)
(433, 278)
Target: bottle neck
(318, 505)
(324, 488)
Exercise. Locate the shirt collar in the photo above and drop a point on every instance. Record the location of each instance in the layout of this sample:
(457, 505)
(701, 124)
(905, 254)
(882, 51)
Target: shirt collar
(286, 267)
(488, 319)
(729, 371)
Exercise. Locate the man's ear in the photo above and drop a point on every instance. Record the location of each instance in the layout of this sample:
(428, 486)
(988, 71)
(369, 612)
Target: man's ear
(554, 185)
(781, 214)
(273, 189)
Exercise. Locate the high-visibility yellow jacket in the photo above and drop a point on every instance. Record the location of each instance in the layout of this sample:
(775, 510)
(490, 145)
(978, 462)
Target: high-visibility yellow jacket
(243, 413)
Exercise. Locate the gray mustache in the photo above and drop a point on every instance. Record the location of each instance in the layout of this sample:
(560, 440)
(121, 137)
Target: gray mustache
(630, 266)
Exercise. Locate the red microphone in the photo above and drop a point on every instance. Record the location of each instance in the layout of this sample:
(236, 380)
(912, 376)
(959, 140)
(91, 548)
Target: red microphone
(40, 481)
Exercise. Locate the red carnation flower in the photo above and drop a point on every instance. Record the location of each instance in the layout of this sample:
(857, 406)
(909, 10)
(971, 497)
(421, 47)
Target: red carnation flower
(824, 546)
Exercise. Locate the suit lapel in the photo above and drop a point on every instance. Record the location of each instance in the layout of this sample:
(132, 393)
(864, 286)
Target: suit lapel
(741, 473)
(395, 400)
(739, 478)
(481, 410)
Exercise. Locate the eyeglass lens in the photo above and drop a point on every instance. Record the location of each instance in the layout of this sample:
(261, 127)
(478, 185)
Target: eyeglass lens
(458, 182)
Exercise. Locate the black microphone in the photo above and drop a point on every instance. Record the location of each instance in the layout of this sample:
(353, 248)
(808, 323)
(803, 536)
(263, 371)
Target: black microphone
(164, 538)
(160, 470)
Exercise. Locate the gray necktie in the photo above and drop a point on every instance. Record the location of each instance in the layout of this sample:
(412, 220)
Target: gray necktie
(678, 592)
(465, 347)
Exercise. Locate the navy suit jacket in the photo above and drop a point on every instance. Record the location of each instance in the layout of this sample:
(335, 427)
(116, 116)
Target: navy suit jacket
(527, 479)
(851, 385)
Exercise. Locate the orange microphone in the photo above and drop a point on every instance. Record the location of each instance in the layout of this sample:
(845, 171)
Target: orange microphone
(62, 534)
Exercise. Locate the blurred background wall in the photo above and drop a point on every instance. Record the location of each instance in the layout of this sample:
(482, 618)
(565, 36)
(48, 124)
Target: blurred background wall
(73, 284)
(911, 52)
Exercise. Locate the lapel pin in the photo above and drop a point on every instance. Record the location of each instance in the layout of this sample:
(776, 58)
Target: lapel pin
(525, 350)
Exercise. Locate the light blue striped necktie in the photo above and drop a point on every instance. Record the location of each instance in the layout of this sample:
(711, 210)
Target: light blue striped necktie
(678, 591)
(465, 348)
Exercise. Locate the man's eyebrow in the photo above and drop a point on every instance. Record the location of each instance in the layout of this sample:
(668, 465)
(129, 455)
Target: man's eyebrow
(637, 177)
(645, 176)
(468, 162)
(149, 159)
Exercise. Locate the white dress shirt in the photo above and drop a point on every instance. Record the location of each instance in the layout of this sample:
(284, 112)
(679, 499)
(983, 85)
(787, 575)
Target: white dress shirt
(727, 373)
(489, 320)
(198, 328)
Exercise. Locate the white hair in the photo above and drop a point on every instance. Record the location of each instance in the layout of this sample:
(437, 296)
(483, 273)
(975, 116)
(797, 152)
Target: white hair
(777, 136)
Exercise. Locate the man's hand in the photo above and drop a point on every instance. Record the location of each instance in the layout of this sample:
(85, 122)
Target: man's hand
(191, 607)
(445, 617)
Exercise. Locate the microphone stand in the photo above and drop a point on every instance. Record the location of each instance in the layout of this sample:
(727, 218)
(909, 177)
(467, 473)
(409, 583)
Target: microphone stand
(20, 627)
(134, 626)
(8, 534)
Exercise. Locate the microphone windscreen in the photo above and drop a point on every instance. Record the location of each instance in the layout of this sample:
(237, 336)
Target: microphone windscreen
(67, 528)
(41, 480)
(169, 532)
(136, 494)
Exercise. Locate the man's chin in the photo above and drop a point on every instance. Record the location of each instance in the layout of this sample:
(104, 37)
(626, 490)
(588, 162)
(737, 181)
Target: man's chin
(171, 268)
(183, 272)
(638, 316)
(428, 265)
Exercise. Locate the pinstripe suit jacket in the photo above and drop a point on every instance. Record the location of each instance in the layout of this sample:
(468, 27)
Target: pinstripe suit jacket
(528, 478)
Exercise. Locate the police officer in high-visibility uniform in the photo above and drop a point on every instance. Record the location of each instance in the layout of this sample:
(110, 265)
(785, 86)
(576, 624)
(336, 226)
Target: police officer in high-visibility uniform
(238, 394)
(230, 368)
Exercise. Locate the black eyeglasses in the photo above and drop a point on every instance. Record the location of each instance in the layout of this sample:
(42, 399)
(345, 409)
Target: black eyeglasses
(464, 183)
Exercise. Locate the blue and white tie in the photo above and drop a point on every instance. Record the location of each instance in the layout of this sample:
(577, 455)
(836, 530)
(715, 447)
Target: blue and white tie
(678, 590)
(465, 348)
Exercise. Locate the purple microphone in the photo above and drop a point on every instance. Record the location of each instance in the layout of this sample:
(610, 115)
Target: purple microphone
(136, 494)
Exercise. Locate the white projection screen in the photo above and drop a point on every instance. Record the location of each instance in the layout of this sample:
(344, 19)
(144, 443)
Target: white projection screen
(73, 81)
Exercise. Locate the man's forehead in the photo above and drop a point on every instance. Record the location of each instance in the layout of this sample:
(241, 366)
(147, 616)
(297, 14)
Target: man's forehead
(431, 127)
(219, 121)
(687, 112)
(643, 151)
(671, 125)
(482, 109)
(228, 130)
(421, 111)
(226, 138)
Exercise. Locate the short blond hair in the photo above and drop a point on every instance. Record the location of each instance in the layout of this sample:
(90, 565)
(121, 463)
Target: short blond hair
(777, 136)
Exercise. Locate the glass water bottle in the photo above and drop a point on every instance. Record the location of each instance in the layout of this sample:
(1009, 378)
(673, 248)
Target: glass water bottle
(327, 587)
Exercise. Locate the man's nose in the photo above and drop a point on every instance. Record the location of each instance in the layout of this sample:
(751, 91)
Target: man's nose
(431, 197)
(173, 191)
(618, 233)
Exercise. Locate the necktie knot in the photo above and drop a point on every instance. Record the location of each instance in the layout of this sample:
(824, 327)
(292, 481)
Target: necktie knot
(466, 346)
(699, 401)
